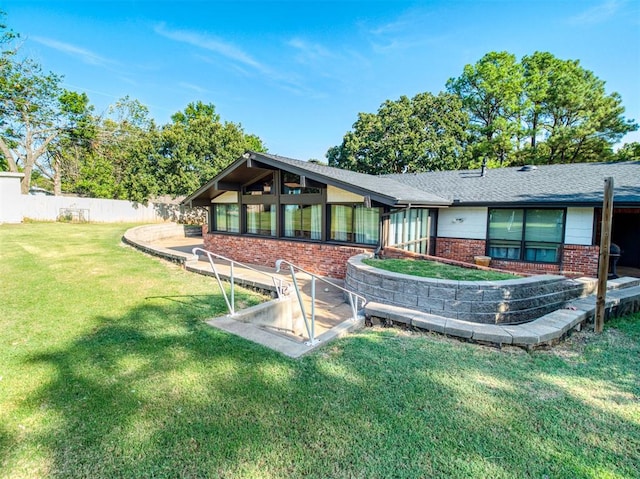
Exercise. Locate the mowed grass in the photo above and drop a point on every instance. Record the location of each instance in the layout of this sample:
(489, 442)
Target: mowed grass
(107, 370)
(433, 269)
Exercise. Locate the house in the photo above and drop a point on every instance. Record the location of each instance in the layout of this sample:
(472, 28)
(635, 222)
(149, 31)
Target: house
(533, 219)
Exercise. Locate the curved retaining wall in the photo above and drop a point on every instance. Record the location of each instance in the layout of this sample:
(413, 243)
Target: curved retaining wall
(490, 302)
(143, 238)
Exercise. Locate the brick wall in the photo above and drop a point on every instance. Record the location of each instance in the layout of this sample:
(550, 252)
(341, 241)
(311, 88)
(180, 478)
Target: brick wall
(319, 258)
(577, 260)
(460, 249)
(524, 267)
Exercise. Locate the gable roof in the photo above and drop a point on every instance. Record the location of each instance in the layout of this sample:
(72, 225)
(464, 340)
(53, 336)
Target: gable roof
(387, 191)
(578, 184)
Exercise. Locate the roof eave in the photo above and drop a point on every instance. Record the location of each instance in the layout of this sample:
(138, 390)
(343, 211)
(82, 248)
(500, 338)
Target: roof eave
(207, 186)
(380, 198)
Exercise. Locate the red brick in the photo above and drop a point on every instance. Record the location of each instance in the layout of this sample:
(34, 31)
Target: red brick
(318, 258)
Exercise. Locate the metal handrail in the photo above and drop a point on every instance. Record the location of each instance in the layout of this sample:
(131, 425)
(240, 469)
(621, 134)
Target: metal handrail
(353, 298)
(278, 283)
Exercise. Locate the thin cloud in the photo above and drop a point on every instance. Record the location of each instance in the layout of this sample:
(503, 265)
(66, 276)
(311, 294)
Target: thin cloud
(242, 62)
(309, 52)
(412, 29)
(191, 86)
(396, 26)
(83, 54)
(210, 43)
(597, 14)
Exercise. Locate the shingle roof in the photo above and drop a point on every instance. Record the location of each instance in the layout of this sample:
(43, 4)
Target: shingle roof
(383, 188)
(578, 184)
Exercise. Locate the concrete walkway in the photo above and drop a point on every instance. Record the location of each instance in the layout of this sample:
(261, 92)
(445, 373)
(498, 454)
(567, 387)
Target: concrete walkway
(333, 315)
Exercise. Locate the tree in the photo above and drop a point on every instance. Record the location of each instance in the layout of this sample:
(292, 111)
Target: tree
(629, 152)
(34, 110)
(119, 160)
(197, 145)
(491, 92)
(423, 133)
(541, 110)
(570, 111)
(64, 153)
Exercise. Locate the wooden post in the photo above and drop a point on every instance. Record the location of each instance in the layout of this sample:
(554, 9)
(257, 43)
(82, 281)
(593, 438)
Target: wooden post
(605, 245)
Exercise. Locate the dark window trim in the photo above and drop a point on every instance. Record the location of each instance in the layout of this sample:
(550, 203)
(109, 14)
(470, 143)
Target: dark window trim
(244, 226)
(214, 219)
(353, 216)
(523, 242)
(322, 218)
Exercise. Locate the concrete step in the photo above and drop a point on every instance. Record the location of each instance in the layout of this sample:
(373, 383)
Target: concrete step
(284, 344)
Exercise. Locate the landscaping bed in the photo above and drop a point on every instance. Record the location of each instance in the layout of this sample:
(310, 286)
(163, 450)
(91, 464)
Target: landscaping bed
(505, 301)
(433, 269)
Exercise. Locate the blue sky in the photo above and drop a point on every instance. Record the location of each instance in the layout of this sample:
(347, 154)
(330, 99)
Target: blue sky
(298, 73)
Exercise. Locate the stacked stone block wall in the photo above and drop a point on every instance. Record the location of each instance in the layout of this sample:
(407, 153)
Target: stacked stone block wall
(489, 302)
(318, 258)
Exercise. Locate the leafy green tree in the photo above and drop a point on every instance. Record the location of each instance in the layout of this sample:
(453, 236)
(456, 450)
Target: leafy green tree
(570, 117)
(492, 94)
(541, 110)
(197, 145)
(629, 152)
(64, 153)
(118, 161)
(423, 133)
(34, 111)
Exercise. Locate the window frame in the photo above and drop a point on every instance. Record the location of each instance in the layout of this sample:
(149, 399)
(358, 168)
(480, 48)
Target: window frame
(523, 244)
(245, 224)
(353, 232)
(214, 216)
(298, 228)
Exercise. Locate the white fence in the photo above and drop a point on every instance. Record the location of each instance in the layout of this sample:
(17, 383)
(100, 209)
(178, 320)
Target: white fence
(64, 208)
(51, 208)
(16, 207)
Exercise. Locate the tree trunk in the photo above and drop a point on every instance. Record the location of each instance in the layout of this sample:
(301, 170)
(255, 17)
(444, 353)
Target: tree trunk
(534, 132)
(25, 183)
(57, 176)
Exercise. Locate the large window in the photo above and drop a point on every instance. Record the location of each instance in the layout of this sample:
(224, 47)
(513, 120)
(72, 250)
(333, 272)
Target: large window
(354, 224)
(264, 186)
(261, 219)
(303, 221)
(227, 217)
(526, 234)
(411, 230)
(292, 184)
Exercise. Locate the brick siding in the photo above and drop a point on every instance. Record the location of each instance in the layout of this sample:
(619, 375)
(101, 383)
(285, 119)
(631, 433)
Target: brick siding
(318, 258)
(460, 249)
(331, 260)
(577, 260)
(582, 259)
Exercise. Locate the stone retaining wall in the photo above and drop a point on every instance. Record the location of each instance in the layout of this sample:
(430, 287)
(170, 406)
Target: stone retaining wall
(143, 238)
(488, 302)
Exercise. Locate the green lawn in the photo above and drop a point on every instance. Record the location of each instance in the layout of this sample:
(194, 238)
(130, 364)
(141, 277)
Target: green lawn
(107, 370)
(433, 269)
